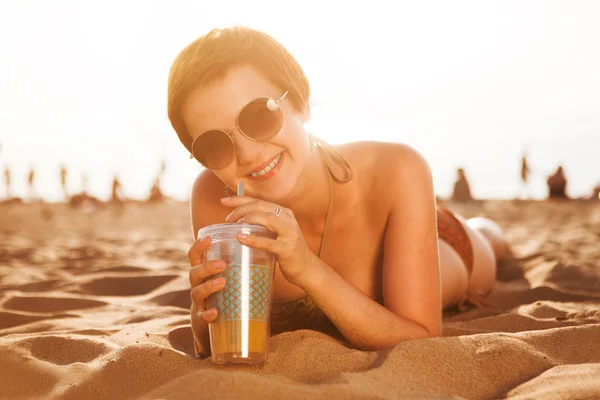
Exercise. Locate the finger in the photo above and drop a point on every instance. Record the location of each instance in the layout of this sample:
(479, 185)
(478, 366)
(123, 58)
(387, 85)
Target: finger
(200, 272)
(206, 315)
(235, 201)
(202, 291)
(258, 205)
(277, 223)
(261, 243)
(209, 315)
(196, 252)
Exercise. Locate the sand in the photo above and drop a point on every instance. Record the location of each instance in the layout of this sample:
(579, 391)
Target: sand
(94, 305)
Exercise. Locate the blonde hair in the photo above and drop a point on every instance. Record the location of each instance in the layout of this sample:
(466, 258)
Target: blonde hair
(209, 57)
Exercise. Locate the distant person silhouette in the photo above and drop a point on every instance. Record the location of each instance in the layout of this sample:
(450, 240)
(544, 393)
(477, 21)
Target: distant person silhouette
(7, 181)
(462, 191)
(63, 181)
(116, 196)
(525, 170)
(156, 195)
(31, 182)
(557, 184)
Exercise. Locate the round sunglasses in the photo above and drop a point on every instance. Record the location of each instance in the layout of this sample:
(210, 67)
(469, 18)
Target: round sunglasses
(259, 121)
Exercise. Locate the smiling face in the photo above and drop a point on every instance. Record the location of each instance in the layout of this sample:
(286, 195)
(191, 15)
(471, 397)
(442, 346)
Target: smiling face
(268, 169)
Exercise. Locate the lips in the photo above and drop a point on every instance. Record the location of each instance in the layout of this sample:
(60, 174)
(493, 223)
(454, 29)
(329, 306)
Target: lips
(271, 173)
(263, 165)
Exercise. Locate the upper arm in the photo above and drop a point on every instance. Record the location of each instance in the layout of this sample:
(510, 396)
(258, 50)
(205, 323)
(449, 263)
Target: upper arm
(411, 273)
(206, 209)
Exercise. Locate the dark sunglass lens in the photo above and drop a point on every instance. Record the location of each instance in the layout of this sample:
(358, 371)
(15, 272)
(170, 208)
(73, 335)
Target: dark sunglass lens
(213, 149)
(258, 122)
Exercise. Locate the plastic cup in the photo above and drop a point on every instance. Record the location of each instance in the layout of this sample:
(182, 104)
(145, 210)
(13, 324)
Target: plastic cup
(240, 334)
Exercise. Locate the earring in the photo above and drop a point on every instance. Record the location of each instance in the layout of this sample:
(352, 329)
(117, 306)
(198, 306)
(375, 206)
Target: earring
(272, 105)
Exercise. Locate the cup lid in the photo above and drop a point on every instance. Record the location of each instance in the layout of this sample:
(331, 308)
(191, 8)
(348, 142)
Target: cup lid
(227, 231)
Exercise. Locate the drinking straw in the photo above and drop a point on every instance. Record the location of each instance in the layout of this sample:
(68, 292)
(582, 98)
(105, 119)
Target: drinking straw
(238, 248)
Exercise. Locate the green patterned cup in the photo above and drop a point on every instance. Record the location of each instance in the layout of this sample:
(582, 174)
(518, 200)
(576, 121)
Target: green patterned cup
(241, 332)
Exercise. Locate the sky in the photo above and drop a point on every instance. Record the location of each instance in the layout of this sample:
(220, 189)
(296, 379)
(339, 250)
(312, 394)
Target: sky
(469, 84)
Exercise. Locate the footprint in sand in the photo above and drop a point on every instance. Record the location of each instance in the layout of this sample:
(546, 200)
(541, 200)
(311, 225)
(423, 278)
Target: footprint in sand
(176, 298)
(169, 254)
(124, 268)
(50, 304)
(125, 286)
(181, 339)
(67, 350)
(10, 319)
(42, 286)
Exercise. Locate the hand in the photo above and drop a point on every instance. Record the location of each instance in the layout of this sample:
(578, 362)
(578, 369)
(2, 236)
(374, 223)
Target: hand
(202, 287)
(290, 248)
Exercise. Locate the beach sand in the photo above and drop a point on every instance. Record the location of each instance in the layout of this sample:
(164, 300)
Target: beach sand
(94, 305)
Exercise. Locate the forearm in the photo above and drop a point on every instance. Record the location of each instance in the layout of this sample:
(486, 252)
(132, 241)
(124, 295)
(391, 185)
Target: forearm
(366, 324)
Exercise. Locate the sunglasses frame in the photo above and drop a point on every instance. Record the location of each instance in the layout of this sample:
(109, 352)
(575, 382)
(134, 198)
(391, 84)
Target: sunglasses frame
(269, 104)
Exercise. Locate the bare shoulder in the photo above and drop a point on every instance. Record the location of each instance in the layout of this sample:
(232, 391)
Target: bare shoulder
(206, 206)
(387, 165)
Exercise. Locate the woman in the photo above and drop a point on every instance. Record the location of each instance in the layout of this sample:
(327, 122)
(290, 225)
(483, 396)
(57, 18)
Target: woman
(357, 250)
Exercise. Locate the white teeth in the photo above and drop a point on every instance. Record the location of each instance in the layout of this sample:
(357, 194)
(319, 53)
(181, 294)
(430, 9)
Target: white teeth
(268, 167)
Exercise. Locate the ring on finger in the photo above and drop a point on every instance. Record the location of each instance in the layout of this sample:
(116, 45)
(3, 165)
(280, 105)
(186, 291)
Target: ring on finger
(277, 211)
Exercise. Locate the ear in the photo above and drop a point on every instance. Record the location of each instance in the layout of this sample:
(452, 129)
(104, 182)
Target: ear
(306, 112)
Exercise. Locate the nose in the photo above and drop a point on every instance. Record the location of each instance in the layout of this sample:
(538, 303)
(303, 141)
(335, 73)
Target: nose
(247, 151)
